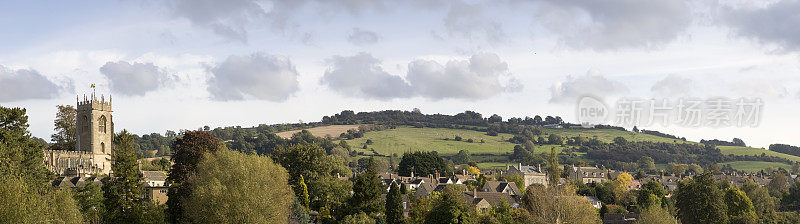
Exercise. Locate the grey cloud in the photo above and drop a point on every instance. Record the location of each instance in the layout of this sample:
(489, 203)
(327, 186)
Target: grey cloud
(264, 77)
(479, 77)
(361, 75)
(226, 18)
(673, 85)
(776, 23)
(587, 85)
(469, 20)
(133, 79)
(615, 24)
(25, 84)
(362, 37)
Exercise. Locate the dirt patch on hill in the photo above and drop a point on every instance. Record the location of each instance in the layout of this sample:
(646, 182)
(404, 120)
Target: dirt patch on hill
(333, 131)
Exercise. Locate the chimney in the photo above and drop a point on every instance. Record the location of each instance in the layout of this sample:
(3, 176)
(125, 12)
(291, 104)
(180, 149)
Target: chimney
(412, 174)
(475, 192)
(520, 166)
(662, 175)
(464, 172)
(539, 167)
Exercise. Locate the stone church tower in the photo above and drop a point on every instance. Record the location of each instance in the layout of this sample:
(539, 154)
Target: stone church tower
(95, 131)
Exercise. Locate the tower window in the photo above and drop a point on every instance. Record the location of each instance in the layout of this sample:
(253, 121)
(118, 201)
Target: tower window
(103, 147)
(102, 124)
(85, 123)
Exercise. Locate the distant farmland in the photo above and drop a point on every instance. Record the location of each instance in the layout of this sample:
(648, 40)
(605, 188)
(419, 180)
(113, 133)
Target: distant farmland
(333, 131)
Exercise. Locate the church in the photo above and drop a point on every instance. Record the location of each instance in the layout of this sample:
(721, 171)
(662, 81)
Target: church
(95, 131)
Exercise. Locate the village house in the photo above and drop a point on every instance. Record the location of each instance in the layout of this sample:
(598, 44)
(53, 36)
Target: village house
(509, 188)
(530, 174)
(588, 174)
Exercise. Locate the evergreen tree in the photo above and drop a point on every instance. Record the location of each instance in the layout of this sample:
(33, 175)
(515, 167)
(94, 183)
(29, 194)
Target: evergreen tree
(367, 190)
(301, 191)
(554, 172)
(123, 193)
(394, 205)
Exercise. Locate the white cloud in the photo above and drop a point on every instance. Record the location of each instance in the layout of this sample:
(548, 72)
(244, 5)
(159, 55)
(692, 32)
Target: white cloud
(24, 84)
(587, 85)
(361, 75)
(362, 37)
(476, 78)
(133, 79)
(260, 76)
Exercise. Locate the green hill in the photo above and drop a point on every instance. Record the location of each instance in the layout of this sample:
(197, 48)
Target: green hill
(741, 150)
(608, 135)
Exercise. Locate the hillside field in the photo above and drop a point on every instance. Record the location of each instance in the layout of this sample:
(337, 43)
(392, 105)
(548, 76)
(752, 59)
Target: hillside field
(608, 135)
(741, 150)
(324, 131)
(755, 166)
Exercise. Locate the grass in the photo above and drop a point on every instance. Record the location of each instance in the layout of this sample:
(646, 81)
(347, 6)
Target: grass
(404, 139)
(755, 166)
(324, 131)
(741, 150)
(493, 166)
(608, 135)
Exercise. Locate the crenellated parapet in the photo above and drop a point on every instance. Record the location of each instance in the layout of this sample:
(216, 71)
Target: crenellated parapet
(94, 103)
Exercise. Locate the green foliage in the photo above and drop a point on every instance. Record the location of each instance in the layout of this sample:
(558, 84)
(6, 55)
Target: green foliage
(358, 218)
(450, 207)
(555, 139)
(394, 205)
(517, 180)
(700, 201)
(232, 187)
(20, 155)
(65, 136)
(620, 141)
(552, 168)
(299, 214)
(301, 191)
(547, 205)
(187, 153)
(22, 203)
(422, 164)
(462, 157)
(656, 215)
(123, 194)
(778, 185)
(367, 190)
(647, 164)
(739, 206)
(90, 202)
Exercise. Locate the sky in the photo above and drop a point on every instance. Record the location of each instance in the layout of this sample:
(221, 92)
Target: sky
(181, 64)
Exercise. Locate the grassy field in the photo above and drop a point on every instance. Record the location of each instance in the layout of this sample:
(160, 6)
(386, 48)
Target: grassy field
(740, 150)
(608, 135)
(755, 166)
(324, 131)
(403, 139)
(493, 166)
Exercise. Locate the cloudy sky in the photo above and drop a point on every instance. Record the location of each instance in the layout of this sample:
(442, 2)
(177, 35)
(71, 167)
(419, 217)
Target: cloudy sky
(181, 64)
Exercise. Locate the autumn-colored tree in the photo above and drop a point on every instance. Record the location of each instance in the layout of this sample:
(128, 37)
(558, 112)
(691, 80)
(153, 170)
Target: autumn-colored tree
(187, 153)
(473, 170)
(65, 136)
